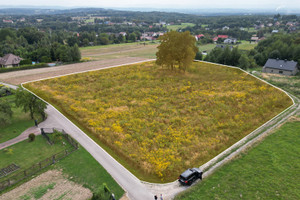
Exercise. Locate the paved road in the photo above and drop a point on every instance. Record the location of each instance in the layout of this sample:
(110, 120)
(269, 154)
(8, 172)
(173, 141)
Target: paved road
(135, 189)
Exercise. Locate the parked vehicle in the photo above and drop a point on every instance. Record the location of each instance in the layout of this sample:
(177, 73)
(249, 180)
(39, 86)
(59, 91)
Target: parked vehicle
(190, 176)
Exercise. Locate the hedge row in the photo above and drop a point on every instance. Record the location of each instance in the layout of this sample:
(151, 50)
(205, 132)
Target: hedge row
(23, 67)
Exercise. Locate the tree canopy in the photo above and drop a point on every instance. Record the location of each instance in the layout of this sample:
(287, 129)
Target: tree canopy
(176, 49)
(5, 113)
(30, 103)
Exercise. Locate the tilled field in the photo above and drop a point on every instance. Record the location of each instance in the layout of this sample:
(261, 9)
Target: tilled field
(49, 185)
(18, 77)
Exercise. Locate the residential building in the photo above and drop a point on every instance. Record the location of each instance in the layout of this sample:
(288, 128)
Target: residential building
(284, 67)
(10, 60)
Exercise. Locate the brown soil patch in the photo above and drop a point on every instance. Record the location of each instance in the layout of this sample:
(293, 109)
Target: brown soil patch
(63, 188)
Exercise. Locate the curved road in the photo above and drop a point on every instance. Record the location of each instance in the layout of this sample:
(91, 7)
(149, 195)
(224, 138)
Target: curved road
(132, 185)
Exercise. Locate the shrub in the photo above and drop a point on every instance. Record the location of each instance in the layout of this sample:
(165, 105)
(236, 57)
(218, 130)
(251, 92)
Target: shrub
(23, 67)
(31, 137)
(102, 193)
(25, 62)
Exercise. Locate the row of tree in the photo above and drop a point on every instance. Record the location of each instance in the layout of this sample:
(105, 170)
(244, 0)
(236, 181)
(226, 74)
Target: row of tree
(34, 45)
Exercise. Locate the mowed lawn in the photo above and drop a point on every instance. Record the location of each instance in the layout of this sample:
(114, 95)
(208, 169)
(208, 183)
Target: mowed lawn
(25, 154)
(160, 122)
(20, 121)
(268, 171)
(181, 26)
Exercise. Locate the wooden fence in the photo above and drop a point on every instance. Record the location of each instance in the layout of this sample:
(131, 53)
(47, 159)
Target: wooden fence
(40, 165)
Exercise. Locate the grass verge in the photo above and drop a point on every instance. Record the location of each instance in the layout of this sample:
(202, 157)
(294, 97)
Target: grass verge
(268, 171)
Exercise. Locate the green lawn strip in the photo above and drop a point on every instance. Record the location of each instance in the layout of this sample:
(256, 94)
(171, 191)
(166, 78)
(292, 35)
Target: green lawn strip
(25, 154)
(82, 168)
(20, 121)
(268, 171)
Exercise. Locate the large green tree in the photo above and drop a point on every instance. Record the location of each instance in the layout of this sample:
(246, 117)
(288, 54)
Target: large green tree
(176, 49)
(30, 103)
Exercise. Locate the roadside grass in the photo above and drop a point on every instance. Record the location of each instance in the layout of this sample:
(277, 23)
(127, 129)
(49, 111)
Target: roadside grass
(155, 119)
(182, 26)
(82, 168)
(289, 83)
(20, 121)
(267, 171)
(24, 154)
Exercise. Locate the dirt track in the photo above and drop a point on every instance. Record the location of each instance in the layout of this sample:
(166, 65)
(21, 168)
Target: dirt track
(18, 77)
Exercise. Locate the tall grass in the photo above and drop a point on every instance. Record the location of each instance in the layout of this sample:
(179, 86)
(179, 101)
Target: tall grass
(165, 121)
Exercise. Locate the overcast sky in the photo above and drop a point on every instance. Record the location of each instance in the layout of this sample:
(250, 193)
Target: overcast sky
(196, 4)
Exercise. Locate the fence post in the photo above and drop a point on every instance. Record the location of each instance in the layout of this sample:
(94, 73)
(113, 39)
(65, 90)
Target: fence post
(66, 151)
(40, 165)
(53, 159)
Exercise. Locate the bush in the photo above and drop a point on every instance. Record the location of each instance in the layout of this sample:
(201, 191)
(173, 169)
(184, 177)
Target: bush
(31, 137)
(46, 59)
(26, 62)
(198, 56)
(103, 193)
(41, 65)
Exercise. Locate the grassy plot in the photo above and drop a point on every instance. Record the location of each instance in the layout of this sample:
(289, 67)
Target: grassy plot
(181, 26)
(19, 123)
(268, 171)
(88, 172)
(120, 51)
(246, 45)
(116, 46)
(161, 122)
(206, 47)
(25, 154)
